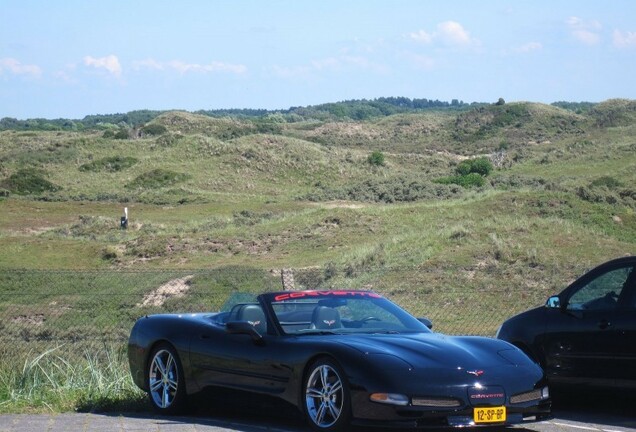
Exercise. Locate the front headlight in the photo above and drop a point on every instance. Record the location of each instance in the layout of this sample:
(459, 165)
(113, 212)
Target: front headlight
(390, 398)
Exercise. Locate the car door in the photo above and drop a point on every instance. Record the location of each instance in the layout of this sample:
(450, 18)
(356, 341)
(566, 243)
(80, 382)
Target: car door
(237, 360)
(585, 338)
(625, 323)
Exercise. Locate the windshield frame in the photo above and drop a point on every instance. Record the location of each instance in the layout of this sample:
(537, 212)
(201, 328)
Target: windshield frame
(409, 323)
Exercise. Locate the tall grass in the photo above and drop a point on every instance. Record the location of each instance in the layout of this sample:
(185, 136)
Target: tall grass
(62, 379)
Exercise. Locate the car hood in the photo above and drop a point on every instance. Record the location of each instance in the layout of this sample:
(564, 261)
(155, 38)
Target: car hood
(438, 351)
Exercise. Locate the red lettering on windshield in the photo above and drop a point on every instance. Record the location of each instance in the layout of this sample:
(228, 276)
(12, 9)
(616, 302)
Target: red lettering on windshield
(303, 294)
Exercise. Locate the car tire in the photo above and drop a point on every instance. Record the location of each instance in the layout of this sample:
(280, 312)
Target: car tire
(166, 383)
(326, 399)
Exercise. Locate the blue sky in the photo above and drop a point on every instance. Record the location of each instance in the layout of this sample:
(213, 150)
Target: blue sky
(72, 58)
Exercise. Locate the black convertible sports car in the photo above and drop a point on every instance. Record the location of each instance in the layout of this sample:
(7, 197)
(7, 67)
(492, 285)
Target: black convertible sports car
(339, 357)
(587, 334)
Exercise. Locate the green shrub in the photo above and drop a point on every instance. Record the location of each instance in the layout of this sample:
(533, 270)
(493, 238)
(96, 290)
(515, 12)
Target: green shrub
(157, 178)
(110, 164)
(169, 139)
(390, 190)
(464, 167)
(481, 165)
(122, 134)
(376, 158)
(465, 181)
(516, 181)
(247, 217)
(154, 129)
(28, 181)
(606, 181)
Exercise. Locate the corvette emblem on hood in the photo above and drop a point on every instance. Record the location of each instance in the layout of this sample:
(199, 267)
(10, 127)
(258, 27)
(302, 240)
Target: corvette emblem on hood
(477, 373)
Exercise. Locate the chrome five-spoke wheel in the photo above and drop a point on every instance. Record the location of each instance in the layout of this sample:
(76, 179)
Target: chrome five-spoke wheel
(164, 380)
(326, 397)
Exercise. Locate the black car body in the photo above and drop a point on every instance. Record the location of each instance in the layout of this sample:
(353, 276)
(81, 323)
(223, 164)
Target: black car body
(339, 357)
(586, 335)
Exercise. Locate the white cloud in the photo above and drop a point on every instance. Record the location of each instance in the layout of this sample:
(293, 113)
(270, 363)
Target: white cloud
(109, 63)
(147, 64)
(624, 39)
(184, 68)
(15, 67)
(421, 36)
(586, 32)
(450, 33)
(529, 47)
(586, 37)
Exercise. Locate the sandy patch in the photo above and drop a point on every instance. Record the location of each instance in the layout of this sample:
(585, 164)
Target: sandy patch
(174, 288)
(340, 204)
(36, 319)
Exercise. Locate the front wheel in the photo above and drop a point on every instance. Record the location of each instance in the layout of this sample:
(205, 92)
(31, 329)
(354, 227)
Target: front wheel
(327, 401)
(166, 384)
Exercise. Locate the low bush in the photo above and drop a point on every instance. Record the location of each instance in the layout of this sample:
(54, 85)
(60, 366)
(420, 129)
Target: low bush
(388, 190)
(157, 178)
(247, 217)
(28, 181)
(154, 129)
(606, 181)
(482, 166)
(465, 181)
(109, 164)
(518, 181)
(376, 158)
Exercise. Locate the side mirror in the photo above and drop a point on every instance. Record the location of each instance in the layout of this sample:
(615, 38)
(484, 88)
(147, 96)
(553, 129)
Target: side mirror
(427, 322)
(553, 302)
(244, 327)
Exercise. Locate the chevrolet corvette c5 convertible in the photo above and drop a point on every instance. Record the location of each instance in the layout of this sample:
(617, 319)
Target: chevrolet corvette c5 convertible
(339, 357)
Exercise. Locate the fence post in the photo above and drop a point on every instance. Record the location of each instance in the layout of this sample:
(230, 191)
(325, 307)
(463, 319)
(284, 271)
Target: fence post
(287, 278)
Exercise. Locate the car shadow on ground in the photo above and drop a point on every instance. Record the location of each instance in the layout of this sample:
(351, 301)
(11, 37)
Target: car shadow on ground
(606, 408)
(246, 415)
(612, 408)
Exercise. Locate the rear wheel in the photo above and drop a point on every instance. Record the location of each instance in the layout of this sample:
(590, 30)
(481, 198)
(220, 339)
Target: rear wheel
(166, 384)
(327, 401)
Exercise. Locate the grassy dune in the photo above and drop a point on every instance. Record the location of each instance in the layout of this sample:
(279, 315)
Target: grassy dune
(230, 202)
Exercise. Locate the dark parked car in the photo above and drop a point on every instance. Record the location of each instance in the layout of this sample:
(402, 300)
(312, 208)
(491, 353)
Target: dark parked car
(586, 334)
(339, 357)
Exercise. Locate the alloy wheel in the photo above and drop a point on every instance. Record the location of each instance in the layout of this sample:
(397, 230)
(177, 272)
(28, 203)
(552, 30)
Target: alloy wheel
(324, 396)
(163, 379)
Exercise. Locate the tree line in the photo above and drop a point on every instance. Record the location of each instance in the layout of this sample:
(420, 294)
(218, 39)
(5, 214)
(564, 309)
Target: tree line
(356, 109)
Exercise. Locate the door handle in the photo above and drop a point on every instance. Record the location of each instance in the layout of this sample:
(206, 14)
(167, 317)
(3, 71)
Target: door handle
(604, 324)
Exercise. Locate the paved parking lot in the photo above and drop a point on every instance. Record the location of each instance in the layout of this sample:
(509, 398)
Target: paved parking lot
(586, 412)
(565, 421)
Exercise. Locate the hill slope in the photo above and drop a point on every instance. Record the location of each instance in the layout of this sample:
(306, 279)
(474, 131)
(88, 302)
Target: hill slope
(209, 192)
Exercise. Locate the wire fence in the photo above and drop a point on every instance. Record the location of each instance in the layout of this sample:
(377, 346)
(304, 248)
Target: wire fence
(40, 309)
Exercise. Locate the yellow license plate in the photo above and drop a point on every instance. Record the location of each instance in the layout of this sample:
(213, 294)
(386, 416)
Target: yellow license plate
(490, 415)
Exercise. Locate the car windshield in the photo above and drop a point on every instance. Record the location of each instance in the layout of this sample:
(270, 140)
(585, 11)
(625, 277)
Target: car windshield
(327, 312)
